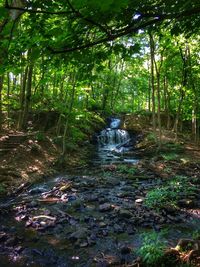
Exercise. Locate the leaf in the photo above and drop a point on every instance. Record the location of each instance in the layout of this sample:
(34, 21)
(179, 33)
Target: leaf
(3, 12)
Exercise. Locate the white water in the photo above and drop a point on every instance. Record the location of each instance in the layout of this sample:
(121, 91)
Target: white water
(112, 142)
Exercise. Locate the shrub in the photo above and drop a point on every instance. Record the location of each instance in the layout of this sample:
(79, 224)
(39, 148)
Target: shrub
(170, 193)
(152, 249)
(126, 169)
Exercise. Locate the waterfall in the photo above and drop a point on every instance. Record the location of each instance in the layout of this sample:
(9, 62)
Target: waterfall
(112, 143)
(113, 138)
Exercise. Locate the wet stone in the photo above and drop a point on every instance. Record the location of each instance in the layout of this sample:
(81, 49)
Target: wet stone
(32, 204)
(125, 250)
(102, 224)
(130, 230)
(123, 213)
(139, 201)
(108, 260)
(12, 241)
(92, 198)
(82, 233)
(105, 207)
(3, 236)
(118, 229)
(126, 194)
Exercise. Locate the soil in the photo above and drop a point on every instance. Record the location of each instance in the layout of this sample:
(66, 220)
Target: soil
(32, 160)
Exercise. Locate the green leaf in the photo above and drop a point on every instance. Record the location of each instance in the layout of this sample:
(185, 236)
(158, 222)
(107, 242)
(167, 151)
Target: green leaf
(3, 12)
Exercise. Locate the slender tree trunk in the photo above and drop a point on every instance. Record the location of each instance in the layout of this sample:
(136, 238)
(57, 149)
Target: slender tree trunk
(68, 116)
(1, 111)
(152, 54)
(28, 96)
(8, 100)
(22, 97)
(182, 87)
(166, 101)
(159, 108)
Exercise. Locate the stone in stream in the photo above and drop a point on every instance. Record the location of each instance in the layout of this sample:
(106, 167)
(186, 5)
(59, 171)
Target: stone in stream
(82, 233)
(102, 224)
(139, 201)
(91, 198)
(123, 213)
(32, 204)
(126, 250)
(126, 194)
(12, 241)
(105, 207)
(187, 203)
(107, 260)
(3, 236)
(118, 229)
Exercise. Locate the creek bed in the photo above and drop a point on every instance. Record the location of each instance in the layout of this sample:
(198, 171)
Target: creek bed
(82, 220)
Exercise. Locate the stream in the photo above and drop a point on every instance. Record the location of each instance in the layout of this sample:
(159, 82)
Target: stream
(92, 217)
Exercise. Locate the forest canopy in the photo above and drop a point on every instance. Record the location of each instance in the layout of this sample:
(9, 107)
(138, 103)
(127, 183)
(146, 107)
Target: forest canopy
(75, 57)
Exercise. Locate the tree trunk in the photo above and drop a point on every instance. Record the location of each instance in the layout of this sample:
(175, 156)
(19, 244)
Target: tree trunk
(1, 112)
(68, 115)
(184, 82)
(28, 96)
(22, 97)
(8, 100)
(152, 54)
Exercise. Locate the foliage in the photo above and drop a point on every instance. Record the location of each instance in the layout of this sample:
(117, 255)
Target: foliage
(169, 156)
(126, 169)
(83, 73)
(40, 136)
(170, 193)
(151, 137)
(152, 249)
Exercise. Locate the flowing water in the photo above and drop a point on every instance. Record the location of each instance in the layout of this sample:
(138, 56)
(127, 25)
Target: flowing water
(88, 218)
(113, 142)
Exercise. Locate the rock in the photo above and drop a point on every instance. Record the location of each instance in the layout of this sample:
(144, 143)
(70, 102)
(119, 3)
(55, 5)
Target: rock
(12, 241)
(92, 198)
(108, 260)
(3, 236)
(139, 201)
(83, 244)
(82, 233)
(105, 207)
(126, 194)
(32, 204)
(110, 167)
(19, 249)
(130, 230)
(187, 203)
(118, 229)
(76, 203)
(171, 209)
(125, 250)
(102, 224)
(123, 213)
(173, 218)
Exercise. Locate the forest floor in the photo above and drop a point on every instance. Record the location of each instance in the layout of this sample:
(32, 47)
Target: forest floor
(32, 159)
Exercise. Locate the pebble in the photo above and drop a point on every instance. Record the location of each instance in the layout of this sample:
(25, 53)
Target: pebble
(139, 201)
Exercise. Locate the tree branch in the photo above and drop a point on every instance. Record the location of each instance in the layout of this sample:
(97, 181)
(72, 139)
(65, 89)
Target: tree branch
(36, 11)
(112, 37)
(79, 15)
